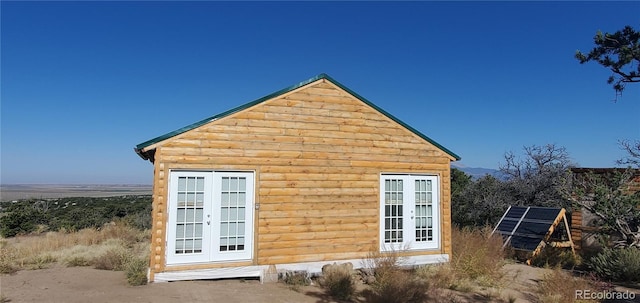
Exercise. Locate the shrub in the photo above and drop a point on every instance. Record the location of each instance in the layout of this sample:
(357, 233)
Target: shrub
(72, 214)
(77, 261)
(20, 219)
(136, 271)
(559, 286)
(296, 279)
(617, 264)
(477, 253)
(554, 257)
(439, 276)
(115, 258)
(8, 257)
(338, 281)
(392, 283)
(395, 285)
(40, 261)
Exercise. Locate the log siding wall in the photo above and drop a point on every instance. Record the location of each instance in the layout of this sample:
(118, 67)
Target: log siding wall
(317, 153)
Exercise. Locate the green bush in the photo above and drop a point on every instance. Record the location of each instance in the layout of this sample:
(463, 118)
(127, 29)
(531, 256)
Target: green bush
(554, 257)
(137, 271)
(617, 264)
(20, 219)
(73, 213)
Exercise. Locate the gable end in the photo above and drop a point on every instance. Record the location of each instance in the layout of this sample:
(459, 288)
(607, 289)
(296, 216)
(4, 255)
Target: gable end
(146, 150)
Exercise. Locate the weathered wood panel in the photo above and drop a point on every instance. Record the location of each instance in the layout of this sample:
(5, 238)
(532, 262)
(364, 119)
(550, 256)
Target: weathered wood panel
(318, 153)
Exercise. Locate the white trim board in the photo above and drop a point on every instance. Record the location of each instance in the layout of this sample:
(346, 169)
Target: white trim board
(258, 271)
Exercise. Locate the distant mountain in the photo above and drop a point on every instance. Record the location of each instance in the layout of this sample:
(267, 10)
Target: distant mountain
(479, 172)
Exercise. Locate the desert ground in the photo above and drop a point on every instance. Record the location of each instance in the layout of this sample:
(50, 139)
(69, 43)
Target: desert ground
(9, 192)
(85, 284)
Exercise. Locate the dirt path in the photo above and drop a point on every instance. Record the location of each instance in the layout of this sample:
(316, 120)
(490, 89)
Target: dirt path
(85, 284)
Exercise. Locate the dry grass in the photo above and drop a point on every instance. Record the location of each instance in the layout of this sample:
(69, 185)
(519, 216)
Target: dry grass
(115, 257)
(475, 266)
(296, 279)
(392, 282)
(111, 247)
(559, 286)
(477, 254)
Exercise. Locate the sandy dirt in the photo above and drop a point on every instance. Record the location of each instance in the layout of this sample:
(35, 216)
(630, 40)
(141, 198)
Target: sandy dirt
(85, 284)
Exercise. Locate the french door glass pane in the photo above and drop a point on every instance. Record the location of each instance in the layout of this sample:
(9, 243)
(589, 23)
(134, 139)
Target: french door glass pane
(393, 211)
(423, 210)
(190, 215)
(232, 213)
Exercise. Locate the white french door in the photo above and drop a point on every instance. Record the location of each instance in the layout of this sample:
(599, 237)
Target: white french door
(210, 216)
(409, 212)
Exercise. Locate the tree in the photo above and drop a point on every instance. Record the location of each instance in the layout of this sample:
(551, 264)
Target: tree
(633, 150)
(534, 180)
(607, 195)
(459, 182)
(482, 202)
(619, 52)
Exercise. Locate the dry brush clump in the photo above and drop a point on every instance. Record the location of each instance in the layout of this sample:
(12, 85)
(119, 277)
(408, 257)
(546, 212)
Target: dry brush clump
(338, 280)
(559, 286)
(476, 265)
(115, 257)
(296, 279)
(477, 254)
(392, 283)
(136, 271)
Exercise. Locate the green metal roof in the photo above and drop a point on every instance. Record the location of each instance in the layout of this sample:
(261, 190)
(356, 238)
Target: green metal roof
(145, 155)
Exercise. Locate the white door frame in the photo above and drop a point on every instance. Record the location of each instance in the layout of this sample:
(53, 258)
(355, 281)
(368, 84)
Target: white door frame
(409, 213)
(211, 217)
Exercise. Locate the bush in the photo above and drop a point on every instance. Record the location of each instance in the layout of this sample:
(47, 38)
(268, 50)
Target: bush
(338, 280)
(395, 285)
(137, 271)
(617, 264)
(115, 258)
(77, 261)
(439, 276)
(559, 286)
(20, 219)
(392, 283)
(477, 253)
(296, 279)
(39, 261)
(73, 213)
(554, 257)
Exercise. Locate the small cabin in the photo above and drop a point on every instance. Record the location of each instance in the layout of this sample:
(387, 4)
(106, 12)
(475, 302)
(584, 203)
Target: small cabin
(309, 175)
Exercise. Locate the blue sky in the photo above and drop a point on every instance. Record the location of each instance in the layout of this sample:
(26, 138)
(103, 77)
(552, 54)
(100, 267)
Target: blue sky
(83, 82)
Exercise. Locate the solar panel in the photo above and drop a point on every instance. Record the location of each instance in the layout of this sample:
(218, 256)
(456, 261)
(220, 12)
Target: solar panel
(524, 228)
